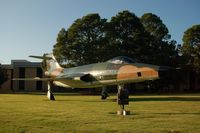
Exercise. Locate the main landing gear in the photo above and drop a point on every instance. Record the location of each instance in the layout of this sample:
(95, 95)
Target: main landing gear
(49, 92)
(104, 93)
(122, 99)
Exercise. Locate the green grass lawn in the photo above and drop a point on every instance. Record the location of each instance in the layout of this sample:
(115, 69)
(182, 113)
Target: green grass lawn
(149, 114)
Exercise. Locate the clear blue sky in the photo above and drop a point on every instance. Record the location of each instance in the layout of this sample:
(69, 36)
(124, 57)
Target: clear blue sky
(31, 26)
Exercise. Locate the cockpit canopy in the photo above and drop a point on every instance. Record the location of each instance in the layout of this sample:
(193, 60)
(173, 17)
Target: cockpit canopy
(121, 60)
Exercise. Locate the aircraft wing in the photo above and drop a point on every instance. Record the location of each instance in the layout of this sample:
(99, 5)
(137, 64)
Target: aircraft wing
(33, 79)
(70, 77)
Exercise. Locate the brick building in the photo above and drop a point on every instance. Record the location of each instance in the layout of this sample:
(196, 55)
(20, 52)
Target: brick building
(23, 69)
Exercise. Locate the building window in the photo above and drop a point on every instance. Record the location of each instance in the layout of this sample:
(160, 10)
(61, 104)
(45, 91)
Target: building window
(39, 74)
(21, 75)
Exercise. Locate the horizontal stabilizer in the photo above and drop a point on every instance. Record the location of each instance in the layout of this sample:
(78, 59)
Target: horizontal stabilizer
(41, 57)
(33, 79)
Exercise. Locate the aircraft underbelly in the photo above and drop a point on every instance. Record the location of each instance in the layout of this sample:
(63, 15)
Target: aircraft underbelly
(77, 84)
(103, 82)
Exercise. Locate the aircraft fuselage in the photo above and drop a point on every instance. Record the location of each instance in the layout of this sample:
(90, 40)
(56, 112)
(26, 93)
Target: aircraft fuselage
(103, 74)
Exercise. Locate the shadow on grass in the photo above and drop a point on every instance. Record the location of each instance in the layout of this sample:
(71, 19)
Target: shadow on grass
(175, 113)
(115, 113)
(158, 99)
(146, 99)
(56, 94)
(45, 93)
(144, 115)
(132, 99)
(64, 100)
(150, 99)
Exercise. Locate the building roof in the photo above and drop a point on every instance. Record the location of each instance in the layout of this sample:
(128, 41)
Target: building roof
(24, 63)
(7, 66)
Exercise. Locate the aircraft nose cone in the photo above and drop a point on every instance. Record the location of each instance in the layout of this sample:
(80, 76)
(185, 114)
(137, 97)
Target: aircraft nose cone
(164, 71)
(164, 68)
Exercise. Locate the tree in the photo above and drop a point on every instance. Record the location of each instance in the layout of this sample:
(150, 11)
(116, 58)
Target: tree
(86, 39)
(191, 53)
(59, 47)
(61, 50)
(3, 75)
(161, 47)
(154, 25)
(127, 36)
(92, 39)
(191, 46)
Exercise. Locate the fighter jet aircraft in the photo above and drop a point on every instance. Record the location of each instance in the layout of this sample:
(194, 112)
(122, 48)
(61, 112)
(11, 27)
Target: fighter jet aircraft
(117, 71)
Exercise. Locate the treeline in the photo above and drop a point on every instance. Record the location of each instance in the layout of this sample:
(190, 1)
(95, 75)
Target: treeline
(92, 39)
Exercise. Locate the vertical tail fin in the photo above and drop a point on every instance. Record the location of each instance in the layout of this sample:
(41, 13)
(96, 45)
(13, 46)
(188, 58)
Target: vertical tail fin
(49, 64)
